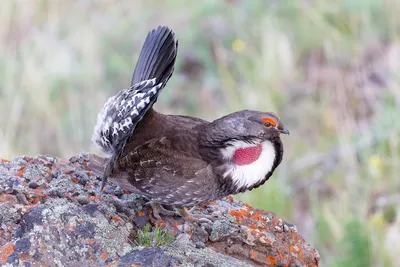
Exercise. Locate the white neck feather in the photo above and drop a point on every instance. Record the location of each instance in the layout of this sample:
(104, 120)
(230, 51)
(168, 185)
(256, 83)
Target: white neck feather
(248, 175)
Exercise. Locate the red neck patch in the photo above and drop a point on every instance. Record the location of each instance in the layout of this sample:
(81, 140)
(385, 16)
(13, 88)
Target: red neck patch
(247, 155)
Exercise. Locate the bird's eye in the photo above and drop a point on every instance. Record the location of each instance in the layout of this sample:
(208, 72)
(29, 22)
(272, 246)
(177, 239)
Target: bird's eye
(268, 122)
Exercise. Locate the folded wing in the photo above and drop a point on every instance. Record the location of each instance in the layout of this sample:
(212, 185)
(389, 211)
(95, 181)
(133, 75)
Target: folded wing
(166, 171)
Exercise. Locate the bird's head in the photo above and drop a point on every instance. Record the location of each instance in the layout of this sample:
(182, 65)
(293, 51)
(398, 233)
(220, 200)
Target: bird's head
(265, 124)
(247, 125)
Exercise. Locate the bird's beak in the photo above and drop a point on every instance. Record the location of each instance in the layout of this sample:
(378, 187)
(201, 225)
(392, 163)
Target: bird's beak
(283, 130)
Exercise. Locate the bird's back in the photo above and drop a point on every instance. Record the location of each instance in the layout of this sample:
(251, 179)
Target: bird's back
(157, 125)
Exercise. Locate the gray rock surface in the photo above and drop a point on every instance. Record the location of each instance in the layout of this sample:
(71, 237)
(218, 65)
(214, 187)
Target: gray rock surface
(52, 214)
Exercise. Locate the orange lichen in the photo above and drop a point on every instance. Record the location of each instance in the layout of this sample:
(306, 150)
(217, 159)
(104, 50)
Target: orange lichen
(94, 198)
(253, 227)
(161, 224)
(142, 213)
(115, 219)
(21, 172)
(257, 234)
(90, 241)
(4, 160)
(238, 213)
(295, 238)
(175, 226)
(89, 173)
(38, 191)
(4, 197)
(272, 260)
(5, 251)
(173, 233)
(25, 257)
(256, 215)
(253, 254)
(104, 255)
(74, 180)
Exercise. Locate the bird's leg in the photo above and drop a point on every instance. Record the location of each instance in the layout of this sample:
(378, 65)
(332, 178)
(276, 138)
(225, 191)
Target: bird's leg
(159, 209)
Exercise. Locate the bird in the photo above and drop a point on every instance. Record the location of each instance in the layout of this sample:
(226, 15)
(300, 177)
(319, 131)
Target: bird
(178, 162)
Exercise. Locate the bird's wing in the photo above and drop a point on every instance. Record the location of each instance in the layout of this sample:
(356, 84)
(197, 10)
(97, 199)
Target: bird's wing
(169, 171)
(120, 115)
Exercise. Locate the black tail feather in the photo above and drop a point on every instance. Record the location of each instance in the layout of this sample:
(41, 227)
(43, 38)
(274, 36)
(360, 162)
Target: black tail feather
(157, 58)
(153, 70)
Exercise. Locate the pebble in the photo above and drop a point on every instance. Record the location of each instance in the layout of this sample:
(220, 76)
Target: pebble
(209, 209)
(200, 244)
(119, 206)
(118, 191)
(82, 177)
(22, 199)
(33, 185)
(82, 199)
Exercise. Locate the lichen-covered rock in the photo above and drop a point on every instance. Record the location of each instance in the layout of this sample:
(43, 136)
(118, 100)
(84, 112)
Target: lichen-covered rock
(53, 214)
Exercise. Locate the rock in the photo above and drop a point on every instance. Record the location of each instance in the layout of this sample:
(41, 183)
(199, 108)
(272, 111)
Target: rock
(33, 185)
(52, 213)
(82, 199)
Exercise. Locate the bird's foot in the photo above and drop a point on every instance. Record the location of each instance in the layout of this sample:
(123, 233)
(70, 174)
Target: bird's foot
(188, 216)
(159, 209)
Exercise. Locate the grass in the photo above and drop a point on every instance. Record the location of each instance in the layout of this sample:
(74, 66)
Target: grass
(154, 237)
(328, 68)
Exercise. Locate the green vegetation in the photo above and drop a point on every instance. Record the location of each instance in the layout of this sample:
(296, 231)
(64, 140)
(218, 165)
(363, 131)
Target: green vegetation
(330, 69)
(154, 237)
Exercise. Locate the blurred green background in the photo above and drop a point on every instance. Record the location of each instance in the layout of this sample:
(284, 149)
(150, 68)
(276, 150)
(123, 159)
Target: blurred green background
(330, 69)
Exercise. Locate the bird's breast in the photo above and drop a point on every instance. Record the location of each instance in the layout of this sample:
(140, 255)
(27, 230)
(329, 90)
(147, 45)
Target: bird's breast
(248, 164)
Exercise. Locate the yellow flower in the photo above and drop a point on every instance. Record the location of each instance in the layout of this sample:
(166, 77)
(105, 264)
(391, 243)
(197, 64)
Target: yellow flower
(238, 46)
(377, 221)
(375, 161)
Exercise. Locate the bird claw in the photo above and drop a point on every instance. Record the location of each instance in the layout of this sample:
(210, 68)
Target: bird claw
(200, 218)
(159, 209)
(206, 221)
(182, 212)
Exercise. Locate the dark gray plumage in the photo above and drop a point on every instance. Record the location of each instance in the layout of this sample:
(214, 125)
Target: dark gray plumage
(180, 160)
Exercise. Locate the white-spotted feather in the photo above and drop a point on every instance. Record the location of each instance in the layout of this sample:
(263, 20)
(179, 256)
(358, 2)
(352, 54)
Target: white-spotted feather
(120, 114)
(251, 174)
